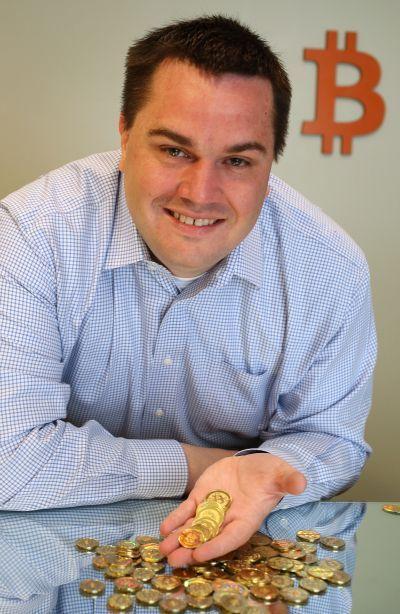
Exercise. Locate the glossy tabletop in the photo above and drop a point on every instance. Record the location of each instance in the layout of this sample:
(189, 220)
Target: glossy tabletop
(40, 567)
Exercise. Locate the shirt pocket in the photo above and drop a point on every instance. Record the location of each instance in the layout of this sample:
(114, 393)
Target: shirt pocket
(226, 406)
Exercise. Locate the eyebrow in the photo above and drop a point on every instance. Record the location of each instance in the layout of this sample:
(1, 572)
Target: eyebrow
(186, 142)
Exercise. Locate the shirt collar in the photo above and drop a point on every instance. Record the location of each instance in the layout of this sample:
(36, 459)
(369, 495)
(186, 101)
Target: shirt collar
(128, 247)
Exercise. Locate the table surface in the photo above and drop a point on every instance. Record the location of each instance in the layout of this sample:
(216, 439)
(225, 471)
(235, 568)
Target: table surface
(40, 568)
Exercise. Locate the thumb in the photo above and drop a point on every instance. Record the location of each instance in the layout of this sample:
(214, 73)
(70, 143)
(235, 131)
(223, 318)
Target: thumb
(293, 482)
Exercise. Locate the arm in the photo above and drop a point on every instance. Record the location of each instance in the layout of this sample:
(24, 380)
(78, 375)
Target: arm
(45, 461)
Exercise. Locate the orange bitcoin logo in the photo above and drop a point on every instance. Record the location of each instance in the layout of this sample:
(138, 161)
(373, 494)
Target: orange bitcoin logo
(374, 108)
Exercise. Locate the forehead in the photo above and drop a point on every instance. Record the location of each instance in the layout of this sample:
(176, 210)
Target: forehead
(187, 96)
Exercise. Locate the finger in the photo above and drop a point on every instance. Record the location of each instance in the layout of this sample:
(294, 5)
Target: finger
(293, 483)
(178, 517)
(231, 537)
(171, 543)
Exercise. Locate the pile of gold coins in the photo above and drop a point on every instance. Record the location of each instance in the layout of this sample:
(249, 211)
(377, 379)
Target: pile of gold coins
(245, 581)
(209, 517)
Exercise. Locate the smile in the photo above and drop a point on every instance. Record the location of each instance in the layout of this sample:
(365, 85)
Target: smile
(191, 221)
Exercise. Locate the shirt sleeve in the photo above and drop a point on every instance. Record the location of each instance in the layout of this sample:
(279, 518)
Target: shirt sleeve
(318, 426)
(45, 460)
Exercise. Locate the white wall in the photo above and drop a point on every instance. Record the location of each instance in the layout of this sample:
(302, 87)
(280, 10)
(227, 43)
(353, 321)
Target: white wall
(61, 70)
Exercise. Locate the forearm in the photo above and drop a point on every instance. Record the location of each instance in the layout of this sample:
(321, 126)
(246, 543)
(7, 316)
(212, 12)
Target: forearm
(60, 465)
(330, 464)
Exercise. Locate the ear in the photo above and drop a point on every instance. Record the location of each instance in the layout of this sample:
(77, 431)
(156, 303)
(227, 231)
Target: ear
(124, 140)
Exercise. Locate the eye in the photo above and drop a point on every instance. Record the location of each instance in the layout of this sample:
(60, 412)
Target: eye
(174, 152)
(238, 162)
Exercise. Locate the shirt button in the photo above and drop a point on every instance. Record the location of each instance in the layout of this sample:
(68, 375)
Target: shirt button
(159, 413)
(167, 361)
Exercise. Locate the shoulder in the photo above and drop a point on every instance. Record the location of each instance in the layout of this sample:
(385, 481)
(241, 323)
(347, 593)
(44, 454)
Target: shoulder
(304, 228)
(84, 183)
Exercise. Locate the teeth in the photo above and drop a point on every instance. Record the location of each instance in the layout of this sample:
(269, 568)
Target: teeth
(193, 222)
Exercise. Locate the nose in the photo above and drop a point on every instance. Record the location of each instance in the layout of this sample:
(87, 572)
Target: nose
(200, 183)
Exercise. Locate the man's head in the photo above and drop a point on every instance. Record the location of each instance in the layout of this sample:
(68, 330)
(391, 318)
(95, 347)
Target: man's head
(199, 131)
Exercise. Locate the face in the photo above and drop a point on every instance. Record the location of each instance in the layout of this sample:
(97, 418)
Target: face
(196, 163)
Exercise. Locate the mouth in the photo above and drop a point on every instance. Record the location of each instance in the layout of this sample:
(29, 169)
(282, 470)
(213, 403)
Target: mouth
(193, 222)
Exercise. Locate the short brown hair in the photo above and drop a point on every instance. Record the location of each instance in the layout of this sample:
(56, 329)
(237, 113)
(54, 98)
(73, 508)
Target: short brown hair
(215, 44)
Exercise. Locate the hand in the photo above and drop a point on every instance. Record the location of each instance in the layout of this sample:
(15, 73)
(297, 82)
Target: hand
(199, 459)
(255, 482)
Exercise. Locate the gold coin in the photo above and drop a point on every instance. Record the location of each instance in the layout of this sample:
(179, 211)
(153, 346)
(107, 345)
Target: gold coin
(166, 582)
(253, 576)
(265, 552)
(123, 562)
(229, 601)
(114, 571)
(199, 603)
(331, 564)
(282, 544)
(120, 602)
(105, 550)
(294, 595)
(332, 543)
(280, 563)
(214, 573)
(259, 539)
(308, 535)
(307, 547)
(184, 572)
(156, 567)
(146, 539)
(230, 586)
(151, 553)
(281, 581)
(221, 497)
(207, 531)
(92, 588)
(148, 596)
(86, 544)
(100, 562)
(127, 585)
(297, 566)
(313, 585)
(255, 608)
(320, 572)
(172, 604)
(268, 592)
(310, 559)
(340, 578)
(143, 574)
(391, 509)
(191, 538)
(198, 587)
(294, 554)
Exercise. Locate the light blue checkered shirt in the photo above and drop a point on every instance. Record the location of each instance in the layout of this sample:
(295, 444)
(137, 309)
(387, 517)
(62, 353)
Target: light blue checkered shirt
(105, 366)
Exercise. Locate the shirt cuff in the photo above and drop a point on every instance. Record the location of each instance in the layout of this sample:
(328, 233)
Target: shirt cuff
(159, 467)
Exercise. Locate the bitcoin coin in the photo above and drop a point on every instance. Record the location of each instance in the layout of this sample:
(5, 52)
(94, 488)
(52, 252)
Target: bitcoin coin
(191, 538)
(141, 540)
(151, 553)
(255, 608)
(156, 567)
(332, 543)
(198, 587)
(148, 596)
(166, 582)
(331, 564)
(281, 581)
(307, 547)
(250, 575)
(259, 539)
(100, 562)
(143, 574)
(184, 572)
(313, 585)
(268, 592)
(320, 572)
(127, 585)
(280, 563)
(114, 571)
(297, 596)
(105, 550)
(92, 588)
(391, 509)
(199, 603)
(172, 604)
(221, 497)
(308, 535)
(340, 578)
(86, 544)
(294, 554)
(230, 586)
(229, 601)
(282, 544)
(119, 602)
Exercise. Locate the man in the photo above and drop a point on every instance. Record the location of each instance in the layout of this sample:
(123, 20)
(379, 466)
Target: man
(174, 318)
